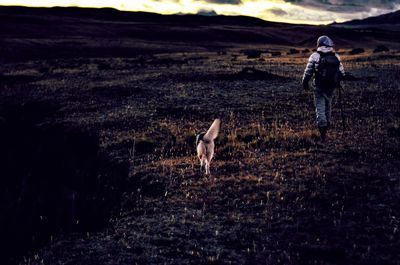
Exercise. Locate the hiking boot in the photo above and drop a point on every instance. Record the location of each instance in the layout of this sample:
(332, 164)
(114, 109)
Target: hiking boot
(322, 132)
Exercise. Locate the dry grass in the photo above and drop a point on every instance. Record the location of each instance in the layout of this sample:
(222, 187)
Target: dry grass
(275, 195)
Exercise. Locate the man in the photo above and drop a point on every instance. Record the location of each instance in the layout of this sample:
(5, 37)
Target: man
(326, 68)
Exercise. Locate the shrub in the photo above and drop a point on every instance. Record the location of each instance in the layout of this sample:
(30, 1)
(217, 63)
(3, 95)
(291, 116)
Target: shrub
(357, 51)
(276, 53)
(381, 48)
(293, 51)
(252, 54)
(104, 66)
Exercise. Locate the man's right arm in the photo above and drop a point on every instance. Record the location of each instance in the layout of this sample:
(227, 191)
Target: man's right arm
(341, 68)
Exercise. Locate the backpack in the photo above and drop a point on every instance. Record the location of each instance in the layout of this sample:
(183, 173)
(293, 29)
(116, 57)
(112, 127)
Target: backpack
(327, 74)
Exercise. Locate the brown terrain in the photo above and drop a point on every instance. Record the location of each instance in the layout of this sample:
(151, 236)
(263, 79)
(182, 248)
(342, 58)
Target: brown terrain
(98, 115)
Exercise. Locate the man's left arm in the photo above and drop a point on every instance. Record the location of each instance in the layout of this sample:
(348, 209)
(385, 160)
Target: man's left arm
(309, 71)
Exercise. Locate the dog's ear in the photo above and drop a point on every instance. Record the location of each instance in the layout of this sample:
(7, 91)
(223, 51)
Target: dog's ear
(212, 133)
(199, 137)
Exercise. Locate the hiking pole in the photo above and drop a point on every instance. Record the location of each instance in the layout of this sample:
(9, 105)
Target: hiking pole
(341, 109)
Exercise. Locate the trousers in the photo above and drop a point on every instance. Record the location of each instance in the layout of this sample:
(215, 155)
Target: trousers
(323, 108)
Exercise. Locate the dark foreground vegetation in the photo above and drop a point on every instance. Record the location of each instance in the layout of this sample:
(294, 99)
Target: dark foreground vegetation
(97, 160)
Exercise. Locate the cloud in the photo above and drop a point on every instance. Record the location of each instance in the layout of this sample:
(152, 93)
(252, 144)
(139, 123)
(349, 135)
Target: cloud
(207, 12)
(276, 11)
(293, 11)
(297, 14)
(224, 2)
(347, 6)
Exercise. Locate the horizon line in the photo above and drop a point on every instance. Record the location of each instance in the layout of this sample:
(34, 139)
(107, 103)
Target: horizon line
(172, 14)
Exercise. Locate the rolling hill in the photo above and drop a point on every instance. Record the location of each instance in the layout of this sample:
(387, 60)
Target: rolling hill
(32, 33)
(389, 19)
(385, 22)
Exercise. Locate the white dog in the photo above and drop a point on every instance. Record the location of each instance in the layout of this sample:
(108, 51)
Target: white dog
(205, 145)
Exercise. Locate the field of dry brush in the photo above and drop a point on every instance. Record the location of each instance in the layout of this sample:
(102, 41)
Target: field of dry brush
(275, 196)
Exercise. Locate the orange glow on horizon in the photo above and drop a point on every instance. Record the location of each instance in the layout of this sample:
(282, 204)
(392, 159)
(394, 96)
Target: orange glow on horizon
(271, 10)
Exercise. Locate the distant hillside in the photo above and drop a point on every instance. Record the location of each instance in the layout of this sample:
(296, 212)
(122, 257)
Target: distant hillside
(35, 33)
(388, 22)
(389, 19)
(110, 14)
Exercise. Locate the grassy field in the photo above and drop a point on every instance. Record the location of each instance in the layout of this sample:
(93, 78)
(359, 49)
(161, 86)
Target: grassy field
(275, 196)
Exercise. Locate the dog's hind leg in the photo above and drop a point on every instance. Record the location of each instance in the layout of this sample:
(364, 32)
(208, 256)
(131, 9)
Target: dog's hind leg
(208, 159)
(202, 163)
(208, 167)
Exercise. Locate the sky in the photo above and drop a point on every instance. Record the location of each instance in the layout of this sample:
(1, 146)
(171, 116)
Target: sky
(291, 11)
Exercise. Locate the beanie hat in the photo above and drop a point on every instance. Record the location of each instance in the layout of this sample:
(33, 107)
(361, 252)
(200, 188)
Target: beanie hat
(325, 41)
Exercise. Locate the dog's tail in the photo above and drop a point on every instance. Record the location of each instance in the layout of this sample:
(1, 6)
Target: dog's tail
(212, 133)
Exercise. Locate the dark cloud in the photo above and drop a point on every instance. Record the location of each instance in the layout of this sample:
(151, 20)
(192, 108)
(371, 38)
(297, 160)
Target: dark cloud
(301, 14)
(205, 12)
(277, 11)
(347, 6)
(224, 2)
